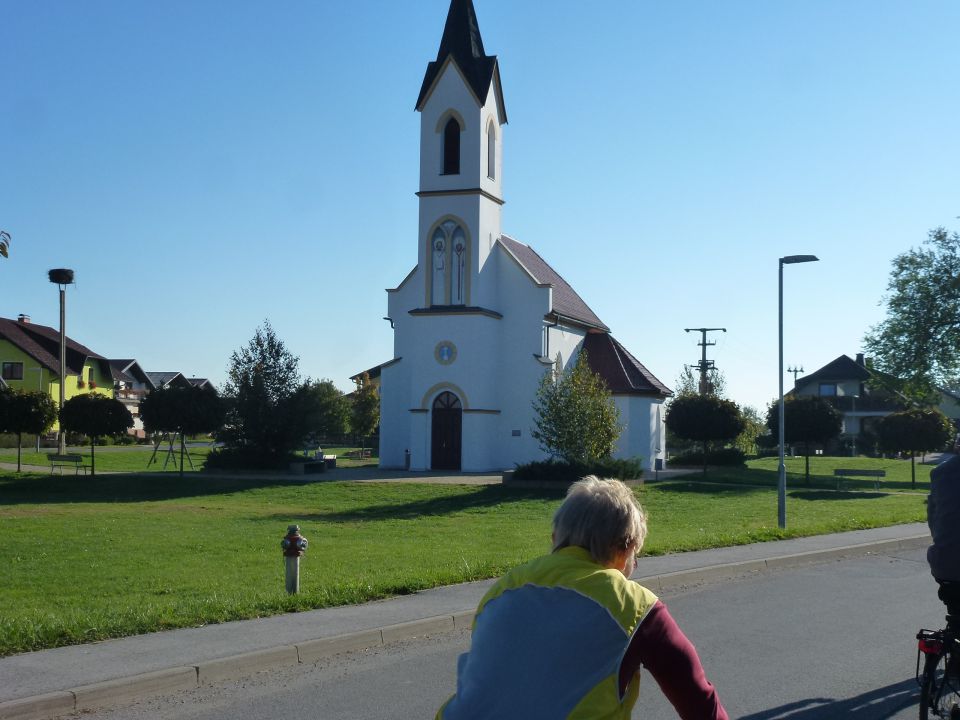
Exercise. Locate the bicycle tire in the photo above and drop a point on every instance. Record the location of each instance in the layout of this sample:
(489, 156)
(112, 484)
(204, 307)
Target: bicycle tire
(928, 684)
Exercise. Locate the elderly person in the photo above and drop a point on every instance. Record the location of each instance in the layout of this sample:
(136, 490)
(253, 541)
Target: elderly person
(564, 636)
(943, 517)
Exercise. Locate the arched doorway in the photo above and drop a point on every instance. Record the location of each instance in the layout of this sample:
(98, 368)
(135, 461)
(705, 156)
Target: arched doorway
(446, 433)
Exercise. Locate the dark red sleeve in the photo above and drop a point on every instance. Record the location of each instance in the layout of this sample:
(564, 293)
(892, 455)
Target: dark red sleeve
(662, 648)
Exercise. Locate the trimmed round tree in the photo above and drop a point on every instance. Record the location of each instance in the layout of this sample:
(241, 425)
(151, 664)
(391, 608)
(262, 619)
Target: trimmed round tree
(912, 431)
(30, 413)
(705, 419)
(808, 420)
(96, 417)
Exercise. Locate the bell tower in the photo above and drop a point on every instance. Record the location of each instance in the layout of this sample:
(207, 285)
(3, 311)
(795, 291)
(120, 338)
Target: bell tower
(462, 115)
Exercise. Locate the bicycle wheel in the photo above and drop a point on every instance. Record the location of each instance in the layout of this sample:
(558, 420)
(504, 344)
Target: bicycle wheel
(928, 685)
(939, 691)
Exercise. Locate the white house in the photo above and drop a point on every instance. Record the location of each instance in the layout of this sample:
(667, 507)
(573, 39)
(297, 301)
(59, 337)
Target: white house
(482, 316)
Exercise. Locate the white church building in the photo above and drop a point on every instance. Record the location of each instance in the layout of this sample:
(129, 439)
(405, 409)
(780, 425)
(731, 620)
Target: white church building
(482, 316)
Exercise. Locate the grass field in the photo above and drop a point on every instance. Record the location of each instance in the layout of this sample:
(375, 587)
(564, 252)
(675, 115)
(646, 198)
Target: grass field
(135, 458)
(764, 472)
(123, 554)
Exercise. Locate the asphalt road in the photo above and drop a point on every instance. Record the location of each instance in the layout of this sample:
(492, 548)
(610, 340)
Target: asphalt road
(825, 641)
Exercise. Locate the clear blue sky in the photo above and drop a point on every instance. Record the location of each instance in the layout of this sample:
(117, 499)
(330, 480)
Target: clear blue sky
(203, 166)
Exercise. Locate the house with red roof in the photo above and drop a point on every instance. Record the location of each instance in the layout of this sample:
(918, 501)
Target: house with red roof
(30, 360)
(482, 317)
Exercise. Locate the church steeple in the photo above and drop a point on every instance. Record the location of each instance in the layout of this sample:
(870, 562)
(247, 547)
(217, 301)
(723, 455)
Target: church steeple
(463, 43)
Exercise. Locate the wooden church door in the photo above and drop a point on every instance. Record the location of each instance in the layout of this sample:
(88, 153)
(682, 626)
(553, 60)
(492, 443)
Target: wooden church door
(447, 432)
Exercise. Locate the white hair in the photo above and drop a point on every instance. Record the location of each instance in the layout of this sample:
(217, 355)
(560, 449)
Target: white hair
(601, 516)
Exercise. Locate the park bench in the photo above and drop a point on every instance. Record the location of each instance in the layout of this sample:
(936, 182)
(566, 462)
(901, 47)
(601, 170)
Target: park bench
(841, 473)
(316, 465)
(68, 460)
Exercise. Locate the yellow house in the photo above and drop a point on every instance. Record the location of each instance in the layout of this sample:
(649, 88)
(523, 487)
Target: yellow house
(30, 360)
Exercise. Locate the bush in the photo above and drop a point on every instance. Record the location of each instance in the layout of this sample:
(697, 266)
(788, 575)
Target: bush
(562, 472)
(724, 456)
(246, 459)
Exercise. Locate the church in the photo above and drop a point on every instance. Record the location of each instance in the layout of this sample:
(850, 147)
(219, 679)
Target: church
(482, 316)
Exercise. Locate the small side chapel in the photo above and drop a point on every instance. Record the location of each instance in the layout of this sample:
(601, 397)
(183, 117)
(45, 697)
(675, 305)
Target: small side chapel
(482, 316)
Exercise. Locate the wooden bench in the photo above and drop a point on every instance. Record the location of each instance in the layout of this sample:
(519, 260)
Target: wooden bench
(841, 473)
(69, 460)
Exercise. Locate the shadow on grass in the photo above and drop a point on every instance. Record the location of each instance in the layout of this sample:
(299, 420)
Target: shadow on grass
(705, 487)
(834, 495)
(131, 488)
(487, 496)
(885, 702)
(769, 478)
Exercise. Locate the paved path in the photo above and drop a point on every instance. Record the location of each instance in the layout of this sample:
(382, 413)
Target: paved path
(51, 682)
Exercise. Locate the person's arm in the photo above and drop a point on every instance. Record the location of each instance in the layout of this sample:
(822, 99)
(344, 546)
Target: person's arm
(931, 501)
(662, 648)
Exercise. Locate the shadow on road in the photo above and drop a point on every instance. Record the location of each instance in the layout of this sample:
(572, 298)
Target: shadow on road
(874, 705)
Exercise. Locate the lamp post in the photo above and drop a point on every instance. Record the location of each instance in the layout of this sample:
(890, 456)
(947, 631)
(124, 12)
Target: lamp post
(39, 388)
(61, 277)
(782, 469)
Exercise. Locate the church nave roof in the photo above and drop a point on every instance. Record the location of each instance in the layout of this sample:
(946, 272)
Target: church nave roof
(566, 301)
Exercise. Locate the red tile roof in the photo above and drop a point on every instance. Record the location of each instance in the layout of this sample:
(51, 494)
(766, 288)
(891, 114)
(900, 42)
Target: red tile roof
(623, 373)
(34, 344)
(566, 302)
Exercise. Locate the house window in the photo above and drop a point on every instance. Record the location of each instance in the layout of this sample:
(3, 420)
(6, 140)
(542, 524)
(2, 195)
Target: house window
(13, 371)
(449, 249)
(491, 152)
(828, 389)
(451, 147)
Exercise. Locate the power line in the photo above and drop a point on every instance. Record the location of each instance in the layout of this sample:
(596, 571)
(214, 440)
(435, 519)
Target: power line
(705, 365)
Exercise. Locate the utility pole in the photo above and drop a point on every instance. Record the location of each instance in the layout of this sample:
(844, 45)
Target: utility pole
(796, 371)
(704, 365)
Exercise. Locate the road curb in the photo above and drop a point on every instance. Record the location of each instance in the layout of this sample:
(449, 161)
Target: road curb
(126, 690)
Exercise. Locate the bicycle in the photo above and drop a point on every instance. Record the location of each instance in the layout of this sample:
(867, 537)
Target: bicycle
(939, 679)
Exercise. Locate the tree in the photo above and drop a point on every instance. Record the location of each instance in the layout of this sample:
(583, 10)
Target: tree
(182, 410)
(808, 420)
(268, 405)
(95, 416)
(575, 417)
(912, 431)
(365, 413)
(688, 383)
(919, 341)
(4, 243)
(332, 410)
(753, 427)
(704, 418)
(31, 412)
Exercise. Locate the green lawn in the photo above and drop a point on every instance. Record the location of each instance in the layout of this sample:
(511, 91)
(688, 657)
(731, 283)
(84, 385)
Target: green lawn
(117, 458)
(122, 554)
(763, 472)
(135, 458)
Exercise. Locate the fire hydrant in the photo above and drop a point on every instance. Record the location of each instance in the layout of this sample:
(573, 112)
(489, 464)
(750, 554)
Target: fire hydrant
(294, 546)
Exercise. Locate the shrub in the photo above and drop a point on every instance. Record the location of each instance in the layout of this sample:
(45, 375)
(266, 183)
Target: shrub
(246, 458)
(722, 456)
(562, 472)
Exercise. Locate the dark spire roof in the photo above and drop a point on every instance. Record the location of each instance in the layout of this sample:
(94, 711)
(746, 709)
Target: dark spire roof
(462, 41)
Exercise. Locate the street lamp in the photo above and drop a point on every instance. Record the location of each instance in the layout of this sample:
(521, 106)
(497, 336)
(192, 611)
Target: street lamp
(40, 389)
(62, 277)
(781, 469)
